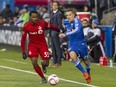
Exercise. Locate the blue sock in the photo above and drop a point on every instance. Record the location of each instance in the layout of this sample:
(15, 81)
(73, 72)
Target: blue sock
(79, 66)
(88, 67)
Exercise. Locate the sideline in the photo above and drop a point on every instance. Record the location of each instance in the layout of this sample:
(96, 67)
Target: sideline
(14, 61)
(25, 71)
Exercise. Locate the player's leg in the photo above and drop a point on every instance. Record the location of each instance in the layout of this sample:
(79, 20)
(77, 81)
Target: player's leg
(87, 65)
(33, 54)
(83, 55)
(44, 53)
(38, 69)
(44, 63)
(76, 61)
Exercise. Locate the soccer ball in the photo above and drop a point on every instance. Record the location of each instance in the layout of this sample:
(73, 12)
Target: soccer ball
(53, 79)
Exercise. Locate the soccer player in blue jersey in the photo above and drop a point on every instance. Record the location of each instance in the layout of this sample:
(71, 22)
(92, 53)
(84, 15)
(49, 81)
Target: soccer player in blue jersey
(77, 44)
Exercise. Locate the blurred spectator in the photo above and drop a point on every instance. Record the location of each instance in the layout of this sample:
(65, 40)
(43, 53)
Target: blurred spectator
(86, 27)
(64, 46)
(62, 9)
(93, 38)
(5, 22)
(24, 17)
(13, 20)
(25, 6)
(16, 12)
(86, 8)
(1, 20)
(7, 13)
(56, 19)
(93, 15)
(40, 11)
(45, 13)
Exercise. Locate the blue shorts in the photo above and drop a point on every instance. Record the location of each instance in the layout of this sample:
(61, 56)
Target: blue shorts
(82, 51)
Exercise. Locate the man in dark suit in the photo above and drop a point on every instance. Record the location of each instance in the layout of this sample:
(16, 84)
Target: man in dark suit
(56, 20)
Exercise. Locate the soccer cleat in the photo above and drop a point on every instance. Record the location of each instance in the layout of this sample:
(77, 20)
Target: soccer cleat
(43, 68)
(57, 65)
(53, 65)
(43, 80)
(87, 77)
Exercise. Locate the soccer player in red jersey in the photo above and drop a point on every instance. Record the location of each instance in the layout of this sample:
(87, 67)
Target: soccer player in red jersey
(37, 44)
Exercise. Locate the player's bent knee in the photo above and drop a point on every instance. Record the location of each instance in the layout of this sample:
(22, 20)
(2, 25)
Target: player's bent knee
(87, 62)
(73, 55)
(45, 62)
(34, 62)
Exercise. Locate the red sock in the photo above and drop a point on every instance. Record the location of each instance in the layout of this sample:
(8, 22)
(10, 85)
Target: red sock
(39, 72)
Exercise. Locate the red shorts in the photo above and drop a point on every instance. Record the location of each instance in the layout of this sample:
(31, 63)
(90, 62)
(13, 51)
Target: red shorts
(35, 50)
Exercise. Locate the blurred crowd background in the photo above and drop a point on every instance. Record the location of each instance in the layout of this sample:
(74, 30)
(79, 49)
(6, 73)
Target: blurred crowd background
(11, 10)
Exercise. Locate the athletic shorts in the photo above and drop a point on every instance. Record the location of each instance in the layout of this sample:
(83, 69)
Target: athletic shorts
(82, 52)
(35, 50)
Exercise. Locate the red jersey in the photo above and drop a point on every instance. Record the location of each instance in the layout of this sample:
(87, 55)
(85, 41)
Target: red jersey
(35, 32)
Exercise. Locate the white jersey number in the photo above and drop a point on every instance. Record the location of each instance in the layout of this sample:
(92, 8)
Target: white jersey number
(46, 54)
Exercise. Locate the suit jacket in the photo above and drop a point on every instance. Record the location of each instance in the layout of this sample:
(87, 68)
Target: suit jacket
(56, 19)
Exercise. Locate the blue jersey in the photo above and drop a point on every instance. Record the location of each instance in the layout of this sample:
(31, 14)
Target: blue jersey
(75, 34)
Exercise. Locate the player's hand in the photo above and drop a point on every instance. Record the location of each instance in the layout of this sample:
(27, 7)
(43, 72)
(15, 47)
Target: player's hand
(24, 56)
(62, 35)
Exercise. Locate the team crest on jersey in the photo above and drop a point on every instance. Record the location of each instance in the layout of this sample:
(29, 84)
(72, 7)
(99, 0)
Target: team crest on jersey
(40, 31)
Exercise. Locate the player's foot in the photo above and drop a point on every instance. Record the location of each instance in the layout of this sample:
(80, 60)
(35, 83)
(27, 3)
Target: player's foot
(87, 77)
(43, 80)
(43, 68)
(57, 65)
(52, 65)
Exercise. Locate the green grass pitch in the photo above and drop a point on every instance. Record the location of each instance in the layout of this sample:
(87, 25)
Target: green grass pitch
(16, 72)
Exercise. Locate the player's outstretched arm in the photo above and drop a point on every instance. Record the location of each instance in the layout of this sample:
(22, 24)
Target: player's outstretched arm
(54, 28)
(50, 26)
(23, 39)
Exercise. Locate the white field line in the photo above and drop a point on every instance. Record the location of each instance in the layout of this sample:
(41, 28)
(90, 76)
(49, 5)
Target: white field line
(10, 68)
(14, 61)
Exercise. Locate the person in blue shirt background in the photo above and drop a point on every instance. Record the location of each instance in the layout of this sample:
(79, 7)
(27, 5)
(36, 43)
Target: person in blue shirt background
(77, 44)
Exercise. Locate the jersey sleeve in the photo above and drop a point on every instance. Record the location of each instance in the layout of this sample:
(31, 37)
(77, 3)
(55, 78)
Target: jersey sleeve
(50, 26)
(23, 39)
(77, 28)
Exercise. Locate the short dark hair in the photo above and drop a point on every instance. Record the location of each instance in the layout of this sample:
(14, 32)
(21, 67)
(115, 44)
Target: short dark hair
(72, 10)
(33, 11)
(57, 3)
